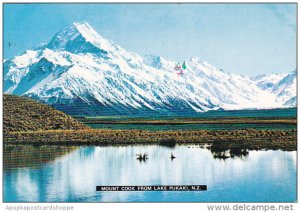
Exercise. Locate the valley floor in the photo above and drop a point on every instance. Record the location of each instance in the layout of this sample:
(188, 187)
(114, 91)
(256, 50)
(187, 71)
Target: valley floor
(225, 139)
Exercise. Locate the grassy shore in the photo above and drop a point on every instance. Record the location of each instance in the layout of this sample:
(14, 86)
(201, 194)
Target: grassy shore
(250, 139)
(26, 121)
(182, 121)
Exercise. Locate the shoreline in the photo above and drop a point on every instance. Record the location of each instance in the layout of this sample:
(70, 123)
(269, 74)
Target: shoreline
(221, 139)
(184, 121)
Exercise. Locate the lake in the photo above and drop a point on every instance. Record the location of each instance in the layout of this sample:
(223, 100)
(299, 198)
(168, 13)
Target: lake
(71, 174)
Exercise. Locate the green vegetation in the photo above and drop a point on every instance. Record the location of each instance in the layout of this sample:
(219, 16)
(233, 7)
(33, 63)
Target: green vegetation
(29, 122)
(282, 120)
(193, 121)
(252, 139)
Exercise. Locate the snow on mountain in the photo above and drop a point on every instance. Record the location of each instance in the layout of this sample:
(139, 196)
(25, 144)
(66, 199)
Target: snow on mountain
(281, 85)
(267, 81)
(285, 90)
(154, 61)
(80, 72)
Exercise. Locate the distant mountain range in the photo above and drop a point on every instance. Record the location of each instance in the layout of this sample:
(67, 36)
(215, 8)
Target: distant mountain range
(81, 73)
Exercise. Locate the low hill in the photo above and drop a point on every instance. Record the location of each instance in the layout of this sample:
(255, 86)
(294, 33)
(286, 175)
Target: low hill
(24, 114)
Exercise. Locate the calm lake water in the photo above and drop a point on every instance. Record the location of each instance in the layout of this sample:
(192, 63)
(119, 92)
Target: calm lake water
(71, 174)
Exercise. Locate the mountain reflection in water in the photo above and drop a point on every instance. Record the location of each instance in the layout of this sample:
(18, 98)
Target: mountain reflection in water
(71, 174)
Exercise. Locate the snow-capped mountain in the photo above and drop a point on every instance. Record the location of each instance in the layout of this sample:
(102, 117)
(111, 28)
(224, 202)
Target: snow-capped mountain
(80, 72)
(268, 81)
(281, 85)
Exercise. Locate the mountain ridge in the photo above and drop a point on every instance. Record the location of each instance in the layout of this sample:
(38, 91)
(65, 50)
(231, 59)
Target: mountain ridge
(80, 69)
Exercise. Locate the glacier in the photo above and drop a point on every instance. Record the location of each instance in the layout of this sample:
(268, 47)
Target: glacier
(82, 73)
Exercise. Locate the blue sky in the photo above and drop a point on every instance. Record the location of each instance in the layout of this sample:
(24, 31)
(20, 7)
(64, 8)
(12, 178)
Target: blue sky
(247, 39)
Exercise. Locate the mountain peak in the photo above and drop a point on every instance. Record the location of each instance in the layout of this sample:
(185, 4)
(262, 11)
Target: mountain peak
(87, 31)
(81, 23)
(80, 37)
(82, 73)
